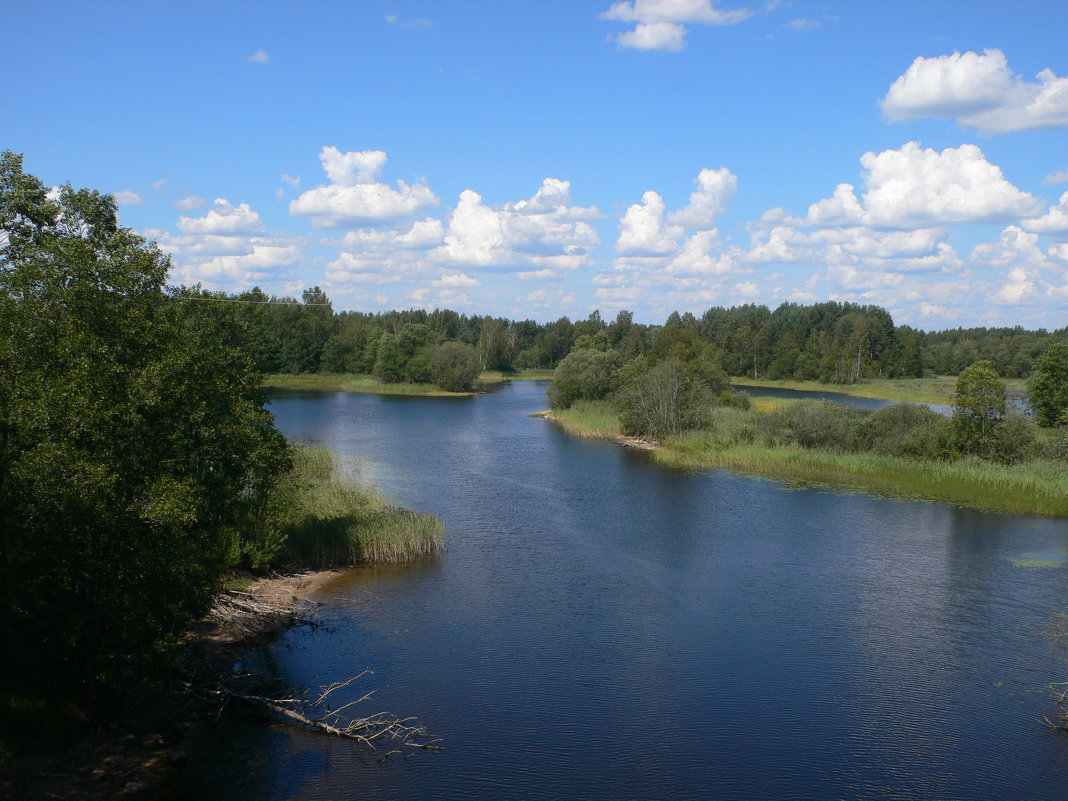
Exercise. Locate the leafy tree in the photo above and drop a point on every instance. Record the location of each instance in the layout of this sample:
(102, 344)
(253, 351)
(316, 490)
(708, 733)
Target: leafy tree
(1048, 386)
(584, 375)
(663, 400)
(135, 456)
(454, 366)
(978, 407)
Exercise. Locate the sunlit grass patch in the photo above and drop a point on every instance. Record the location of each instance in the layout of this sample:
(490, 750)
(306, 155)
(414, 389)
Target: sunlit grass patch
(330, 519)
(352, 383)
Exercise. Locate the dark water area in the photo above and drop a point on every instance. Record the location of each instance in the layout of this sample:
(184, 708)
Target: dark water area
(605, 628)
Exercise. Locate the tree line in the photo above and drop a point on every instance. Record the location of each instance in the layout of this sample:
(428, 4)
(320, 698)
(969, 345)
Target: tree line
(834, 342)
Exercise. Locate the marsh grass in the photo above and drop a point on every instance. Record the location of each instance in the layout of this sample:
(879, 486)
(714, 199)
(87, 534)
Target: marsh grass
(593, 419)
(354, 383)
(736, 440)
(937, 389)
(329, 519)
(529, 374)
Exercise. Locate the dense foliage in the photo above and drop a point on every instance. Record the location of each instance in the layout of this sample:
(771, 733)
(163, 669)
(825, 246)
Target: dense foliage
(135, 455)
(1048, 386)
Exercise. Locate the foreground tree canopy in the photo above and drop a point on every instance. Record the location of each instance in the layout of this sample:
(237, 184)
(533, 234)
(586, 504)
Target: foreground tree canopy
(135, 455)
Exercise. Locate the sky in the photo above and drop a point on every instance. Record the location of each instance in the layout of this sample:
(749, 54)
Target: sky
(549, 158)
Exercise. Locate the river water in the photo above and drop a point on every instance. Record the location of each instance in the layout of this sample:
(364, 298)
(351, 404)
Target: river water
(605, 628)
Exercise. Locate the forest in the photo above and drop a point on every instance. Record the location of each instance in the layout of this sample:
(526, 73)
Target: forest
(835, 342)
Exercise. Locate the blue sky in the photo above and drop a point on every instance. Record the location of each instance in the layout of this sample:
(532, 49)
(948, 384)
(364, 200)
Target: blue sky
(535, 159)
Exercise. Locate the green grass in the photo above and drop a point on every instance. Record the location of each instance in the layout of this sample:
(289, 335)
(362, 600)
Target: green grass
(529, 374)
(594, 419)
(350, 382)
(1039, 487)
(329, 519)
(938, 389)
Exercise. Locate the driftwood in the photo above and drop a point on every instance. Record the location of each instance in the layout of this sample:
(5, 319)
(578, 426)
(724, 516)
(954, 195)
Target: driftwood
(317, 714)
(1062, 702)
(244, 618)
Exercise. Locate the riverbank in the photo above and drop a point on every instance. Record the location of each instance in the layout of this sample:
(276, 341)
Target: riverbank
(142, 746)
(354, 382)
(1031, 488)
(938, 389)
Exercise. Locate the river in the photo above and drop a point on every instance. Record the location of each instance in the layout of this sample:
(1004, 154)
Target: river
(604, 628)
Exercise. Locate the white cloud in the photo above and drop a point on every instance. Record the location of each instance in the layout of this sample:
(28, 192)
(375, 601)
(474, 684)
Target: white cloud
(802, 25)
(715, 189)
(293, 181)
(422, 234)
(189, 203)
(669, 36)
(661, 23)
(223, 219)
(354, 198)
(981, 91)
(1054, 221)
(1060, 177)
(259, 57)
(456, 280)
(915, 187)
(160, 185)
(1018, 287)
(542, 232)
(128, 197)
(642, 231)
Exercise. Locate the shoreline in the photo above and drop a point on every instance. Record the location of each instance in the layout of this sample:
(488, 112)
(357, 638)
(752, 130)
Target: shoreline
(362, 383)
(908, 390)
(973, 484)
(143, 746)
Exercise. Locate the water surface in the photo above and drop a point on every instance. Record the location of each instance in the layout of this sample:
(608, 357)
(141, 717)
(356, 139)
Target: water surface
(604, 628)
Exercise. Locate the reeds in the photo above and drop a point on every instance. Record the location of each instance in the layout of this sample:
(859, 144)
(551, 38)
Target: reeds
(329, 519)
(323, 382)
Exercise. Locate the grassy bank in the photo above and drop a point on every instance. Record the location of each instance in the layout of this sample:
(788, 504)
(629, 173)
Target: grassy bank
(1039, 487)
(348, 382)
(938, 389)
(327, 518)
(353, 382)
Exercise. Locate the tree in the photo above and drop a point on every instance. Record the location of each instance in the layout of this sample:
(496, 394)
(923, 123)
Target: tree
(978, 407)
(1048, 386)
(584, 375)
(136, 459)
(454, 366)
(663, 400)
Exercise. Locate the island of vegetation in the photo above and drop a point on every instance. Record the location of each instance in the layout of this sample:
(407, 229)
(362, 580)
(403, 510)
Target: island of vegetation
(986, 455)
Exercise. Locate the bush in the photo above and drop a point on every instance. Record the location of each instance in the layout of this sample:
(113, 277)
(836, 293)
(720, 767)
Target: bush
(818, 424)
(1013, 439)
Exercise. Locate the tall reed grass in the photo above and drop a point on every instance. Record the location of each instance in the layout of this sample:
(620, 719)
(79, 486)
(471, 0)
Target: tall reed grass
(329, 519)
(352, 383)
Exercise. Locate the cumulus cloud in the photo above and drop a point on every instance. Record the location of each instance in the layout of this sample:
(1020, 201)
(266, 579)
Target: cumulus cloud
(981, 91)
(661, 23)
(542, 232)
(1059, 177)
(642, 231)
(223, 219)
(915, 187)
(715, 189)
(1054, 221)
(128, 197)
(354, 197)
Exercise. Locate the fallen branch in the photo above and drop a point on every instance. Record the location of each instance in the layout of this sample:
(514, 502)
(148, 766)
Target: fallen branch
(317, 715)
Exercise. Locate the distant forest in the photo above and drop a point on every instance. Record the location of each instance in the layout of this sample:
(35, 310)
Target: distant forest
(833, 342)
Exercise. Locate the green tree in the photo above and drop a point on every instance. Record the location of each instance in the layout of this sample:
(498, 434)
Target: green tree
(584, 375)
(135, 456)
(665, 399)
(1048, 386)
(978, 407)
(454, 366)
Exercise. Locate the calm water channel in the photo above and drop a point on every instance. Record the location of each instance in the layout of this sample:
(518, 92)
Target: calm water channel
(603, 628)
